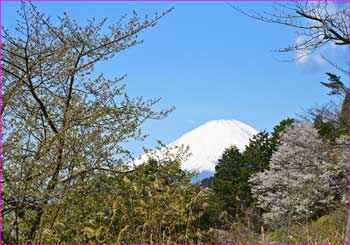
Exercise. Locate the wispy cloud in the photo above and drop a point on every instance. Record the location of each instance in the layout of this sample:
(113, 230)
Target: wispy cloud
(308, 57)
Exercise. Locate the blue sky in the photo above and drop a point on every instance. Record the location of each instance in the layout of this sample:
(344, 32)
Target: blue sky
(208, 61)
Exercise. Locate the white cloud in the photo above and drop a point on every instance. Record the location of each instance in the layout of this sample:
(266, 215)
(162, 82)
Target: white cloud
(307, 57)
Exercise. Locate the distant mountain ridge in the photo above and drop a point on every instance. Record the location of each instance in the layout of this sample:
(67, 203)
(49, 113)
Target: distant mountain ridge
(208, 141)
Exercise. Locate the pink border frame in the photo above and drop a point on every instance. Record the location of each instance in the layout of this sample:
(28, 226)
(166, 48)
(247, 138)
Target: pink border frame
(344, 1)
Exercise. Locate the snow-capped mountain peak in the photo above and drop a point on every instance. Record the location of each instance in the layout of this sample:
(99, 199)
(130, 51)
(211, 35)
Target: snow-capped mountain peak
(208, 141)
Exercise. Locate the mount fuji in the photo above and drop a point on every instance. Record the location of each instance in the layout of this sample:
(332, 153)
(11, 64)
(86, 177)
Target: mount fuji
(208, 142)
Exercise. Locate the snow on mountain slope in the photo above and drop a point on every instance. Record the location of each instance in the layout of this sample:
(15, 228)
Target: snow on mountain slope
(208, 141)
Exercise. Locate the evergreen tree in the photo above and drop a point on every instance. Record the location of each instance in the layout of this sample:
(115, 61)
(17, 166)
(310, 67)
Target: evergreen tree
(326, 128)
(258, 152)
(261, 146)
(336, 86)
(344, 117)
(277, 130)
(331, 129)
(207, 182)
(258, 155)
(230, 185)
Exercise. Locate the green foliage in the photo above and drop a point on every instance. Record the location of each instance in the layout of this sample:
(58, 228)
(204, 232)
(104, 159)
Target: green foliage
(326, 129)
(66, 176)
(344, 117)
(330, 128)
(258, 152)
(64, 128)
(153, 204)
(207, 182)
(230, 185)
(232, 199)
(277, 130)
(328, 229)
(335, 85)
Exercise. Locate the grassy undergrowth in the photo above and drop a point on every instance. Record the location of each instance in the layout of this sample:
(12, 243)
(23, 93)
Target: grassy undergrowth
(328, 229)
